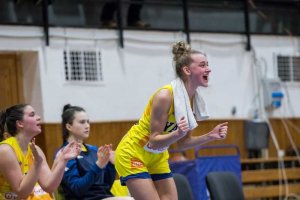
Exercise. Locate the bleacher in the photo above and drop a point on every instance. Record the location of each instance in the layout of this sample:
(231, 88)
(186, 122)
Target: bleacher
(261, 178)
(271, 177)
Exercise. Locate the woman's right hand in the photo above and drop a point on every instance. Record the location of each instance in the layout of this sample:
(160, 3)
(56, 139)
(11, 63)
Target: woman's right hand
(183, 127)
(103, 155)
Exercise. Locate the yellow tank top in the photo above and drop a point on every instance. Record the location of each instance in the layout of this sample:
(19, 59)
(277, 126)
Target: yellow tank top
(25, 162)
(140, 132)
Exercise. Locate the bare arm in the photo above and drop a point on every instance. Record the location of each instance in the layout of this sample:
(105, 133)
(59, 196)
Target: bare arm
(50, 179)
(218, 133)
(21, 184)
(159, 116)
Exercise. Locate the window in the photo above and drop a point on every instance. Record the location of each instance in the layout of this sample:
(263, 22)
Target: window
(83, 66)
(288, 68)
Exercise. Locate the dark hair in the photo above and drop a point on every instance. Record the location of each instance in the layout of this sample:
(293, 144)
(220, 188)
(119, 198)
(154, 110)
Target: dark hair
(68, 117)
(182, 56)
(8, 119)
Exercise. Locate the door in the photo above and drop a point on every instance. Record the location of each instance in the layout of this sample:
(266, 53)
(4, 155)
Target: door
(11, 81)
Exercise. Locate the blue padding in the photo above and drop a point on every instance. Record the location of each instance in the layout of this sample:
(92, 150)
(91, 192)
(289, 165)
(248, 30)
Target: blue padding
(216, 163)
(190, 170)
(196, 170)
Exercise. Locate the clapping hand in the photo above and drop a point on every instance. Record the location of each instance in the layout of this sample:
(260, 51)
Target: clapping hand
(70, 151)
(112, 156)
(103, 155)
(38, 159)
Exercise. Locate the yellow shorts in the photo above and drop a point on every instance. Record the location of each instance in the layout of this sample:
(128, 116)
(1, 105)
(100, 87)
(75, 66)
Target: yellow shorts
(118, 190)
(132, 161)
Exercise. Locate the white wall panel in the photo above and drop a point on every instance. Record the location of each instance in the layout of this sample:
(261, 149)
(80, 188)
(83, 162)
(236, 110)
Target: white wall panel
(133, 73)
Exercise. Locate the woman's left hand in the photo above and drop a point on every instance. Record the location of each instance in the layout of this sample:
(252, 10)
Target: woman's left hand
(112, 156)
(103, 155)
(219, 132)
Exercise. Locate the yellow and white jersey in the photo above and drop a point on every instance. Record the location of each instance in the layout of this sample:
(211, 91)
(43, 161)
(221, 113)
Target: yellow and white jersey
(25, 162)
(140, 132)
(134, 158)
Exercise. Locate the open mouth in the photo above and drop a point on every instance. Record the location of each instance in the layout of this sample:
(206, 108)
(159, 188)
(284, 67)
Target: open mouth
(205, 78)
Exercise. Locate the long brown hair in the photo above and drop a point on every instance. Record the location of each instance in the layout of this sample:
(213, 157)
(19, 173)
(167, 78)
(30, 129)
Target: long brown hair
(8, 119)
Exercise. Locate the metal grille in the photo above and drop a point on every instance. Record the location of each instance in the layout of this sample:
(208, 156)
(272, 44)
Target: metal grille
(296, 67)
(83, 66)
(288, 68)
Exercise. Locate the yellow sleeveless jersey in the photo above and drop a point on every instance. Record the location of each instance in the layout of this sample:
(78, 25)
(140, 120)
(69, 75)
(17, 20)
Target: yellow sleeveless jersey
(140, 132)
(25, 162)
(134, 158)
